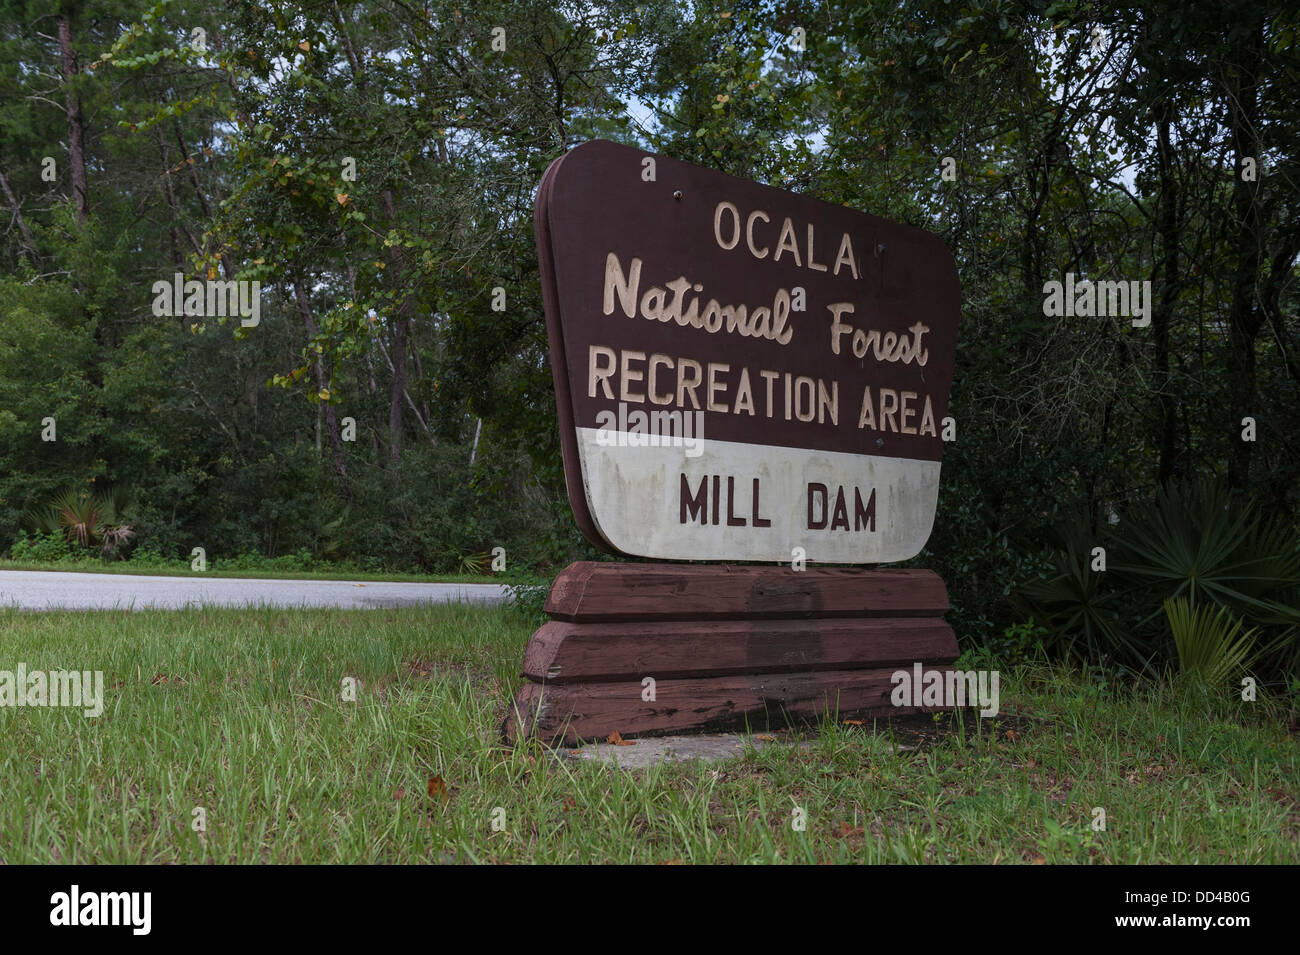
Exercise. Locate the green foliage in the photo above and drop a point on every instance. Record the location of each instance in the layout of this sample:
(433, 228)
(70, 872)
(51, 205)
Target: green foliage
(41, 547)
(527, 593)
(475, 563)
(87, 517)
(1192, 542)
(300, 560)
(1020, 643)
(1212, 649)
(233, 162)
(979, 561)
(1068, 843)
(145, 555)
(1195, 540)
(1084, 615)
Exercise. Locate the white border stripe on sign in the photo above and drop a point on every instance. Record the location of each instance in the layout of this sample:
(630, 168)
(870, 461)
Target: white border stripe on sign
(634, 497)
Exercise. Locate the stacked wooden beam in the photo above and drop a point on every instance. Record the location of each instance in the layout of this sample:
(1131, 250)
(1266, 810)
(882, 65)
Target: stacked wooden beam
(647, 649)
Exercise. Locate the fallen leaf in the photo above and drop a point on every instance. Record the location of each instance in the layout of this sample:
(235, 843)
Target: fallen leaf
(853, 722)
(399, 792)
(765, 739)
(1013, 735)
(567, 804)
(848, 830)
(438, 788)
(616, 740)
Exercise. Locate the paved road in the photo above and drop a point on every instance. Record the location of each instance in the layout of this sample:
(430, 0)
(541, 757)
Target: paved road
(46, 590)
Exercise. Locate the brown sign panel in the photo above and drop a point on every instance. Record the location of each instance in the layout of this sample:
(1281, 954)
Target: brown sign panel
(742, 373)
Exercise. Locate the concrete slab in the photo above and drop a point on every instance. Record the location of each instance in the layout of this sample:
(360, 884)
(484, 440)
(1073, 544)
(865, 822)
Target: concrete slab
(650, 751)
(710, 747)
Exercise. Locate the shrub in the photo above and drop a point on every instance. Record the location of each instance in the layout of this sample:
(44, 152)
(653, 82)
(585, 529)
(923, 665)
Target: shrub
(527, 593)
(41, 547)
(88, 518)
(148, 555)
(1192, 542)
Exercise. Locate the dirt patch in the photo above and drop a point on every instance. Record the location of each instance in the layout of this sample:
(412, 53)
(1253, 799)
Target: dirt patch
(921, 730)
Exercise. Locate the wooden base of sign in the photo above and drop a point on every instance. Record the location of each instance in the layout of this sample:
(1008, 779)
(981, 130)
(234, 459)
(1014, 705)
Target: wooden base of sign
(646, 649)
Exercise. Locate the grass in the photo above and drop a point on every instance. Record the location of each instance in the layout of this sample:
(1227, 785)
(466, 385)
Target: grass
(238, 712)
(94, 566)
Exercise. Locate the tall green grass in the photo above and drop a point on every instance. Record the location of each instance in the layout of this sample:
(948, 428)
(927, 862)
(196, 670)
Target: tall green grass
(239, 713)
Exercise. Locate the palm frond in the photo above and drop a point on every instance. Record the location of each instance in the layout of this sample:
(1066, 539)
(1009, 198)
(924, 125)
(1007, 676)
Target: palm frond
(1212, 649)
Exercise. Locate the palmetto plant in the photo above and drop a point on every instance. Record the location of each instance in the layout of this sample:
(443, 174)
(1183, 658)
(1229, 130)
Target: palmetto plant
(474, 564)
(1190, 542)
(1079, 608)
(87, 517)
(1211, 646)
(1194, 542)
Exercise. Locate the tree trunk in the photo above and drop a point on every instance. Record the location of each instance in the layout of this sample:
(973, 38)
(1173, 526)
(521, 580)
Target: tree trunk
(327, 411)
(399, 388)
(473, 452)
(1162, 319)
(178, 221)
(398, 324)
(17, 210)
(227, 265)
(76, 132)
(1244, 319)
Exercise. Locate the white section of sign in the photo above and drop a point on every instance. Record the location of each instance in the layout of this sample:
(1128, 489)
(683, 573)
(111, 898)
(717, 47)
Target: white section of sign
(635, 497)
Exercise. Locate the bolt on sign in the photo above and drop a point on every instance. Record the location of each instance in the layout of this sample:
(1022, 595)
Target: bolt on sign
(741, 371)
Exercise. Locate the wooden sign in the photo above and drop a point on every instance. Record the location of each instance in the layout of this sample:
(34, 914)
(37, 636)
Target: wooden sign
(741, 374)
(740, 371)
